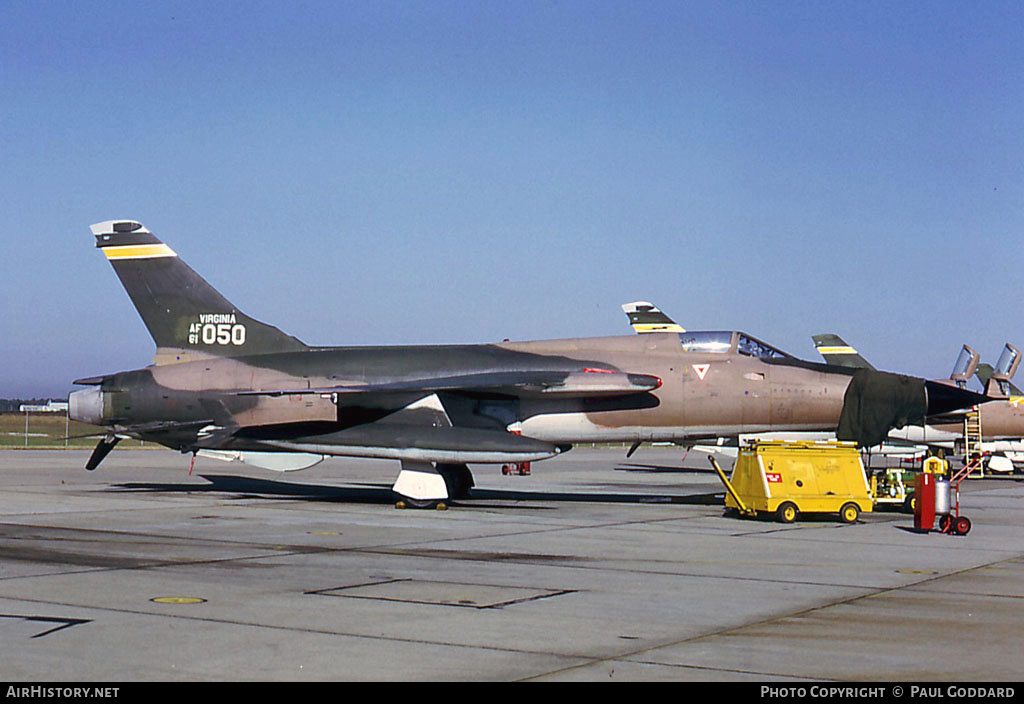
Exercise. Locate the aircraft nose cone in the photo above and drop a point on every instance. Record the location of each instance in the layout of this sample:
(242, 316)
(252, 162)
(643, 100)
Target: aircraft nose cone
(86, 406)
(943, 398)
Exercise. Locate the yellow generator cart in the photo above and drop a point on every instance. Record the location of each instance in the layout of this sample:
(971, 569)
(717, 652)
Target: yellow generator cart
(790, 478)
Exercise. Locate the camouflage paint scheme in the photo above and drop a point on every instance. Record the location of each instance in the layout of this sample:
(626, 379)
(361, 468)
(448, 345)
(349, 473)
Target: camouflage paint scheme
(226, 382)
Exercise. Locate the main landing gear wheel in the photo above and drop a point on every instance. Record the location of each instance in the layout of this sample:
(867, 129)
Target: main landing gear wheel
(849, 513)
(421, 503)
(787, 512)
(422, 485)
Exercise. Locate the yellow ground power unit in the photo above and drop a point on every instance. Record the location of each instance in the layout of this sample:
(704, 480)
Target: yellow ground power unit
(790, 478)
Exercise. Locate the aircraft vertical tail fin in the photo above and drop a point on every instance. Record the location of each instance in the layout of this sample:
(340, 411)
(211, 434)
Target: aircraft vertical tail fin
(185, 315)
(996, 380)
(645, 317)
(835, 351)
(984, 373)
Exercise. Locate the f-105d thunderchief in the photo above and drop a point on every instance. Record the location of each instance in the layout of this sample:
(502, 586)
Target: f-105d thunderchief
(226, 385)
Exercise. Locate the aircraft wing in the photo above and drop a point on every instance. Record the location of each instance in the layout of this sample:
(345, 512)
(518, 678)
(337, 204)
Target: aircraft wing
(429, 429)
(590, 382)
(421, 431)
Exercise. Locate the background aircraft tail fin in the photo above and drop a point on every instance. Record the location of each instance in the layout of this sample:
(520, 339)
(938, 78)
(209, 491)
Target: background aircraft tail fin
(984, 374)
(996, 380)
(645, 317)
(184, 314)
(835, 351)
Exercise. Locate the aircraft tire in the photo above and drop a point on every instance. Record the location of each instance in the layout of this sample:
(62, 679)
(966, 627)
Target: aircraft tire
(406, 502)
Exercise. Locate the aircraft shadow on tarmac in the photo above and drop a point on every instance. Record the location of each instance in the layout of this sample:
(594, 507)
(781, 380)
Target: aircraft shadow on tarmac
(662, 469)
(250, 488)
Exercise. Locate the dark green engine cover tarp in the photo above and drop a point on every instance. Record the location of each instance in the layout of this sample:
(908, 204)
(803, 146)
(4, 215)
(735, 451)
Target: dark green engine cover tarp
(876, 402)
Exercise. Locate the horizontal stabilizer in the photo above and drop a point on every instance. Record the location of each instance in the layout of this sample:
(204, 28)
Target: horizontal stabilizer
(103, 448)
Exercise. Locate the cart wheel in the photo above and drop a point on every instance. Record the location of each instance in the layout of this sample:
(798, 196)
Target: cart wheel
(909, 503)
(962, 525)
(849, 513)
(944, 523)
(787, 512)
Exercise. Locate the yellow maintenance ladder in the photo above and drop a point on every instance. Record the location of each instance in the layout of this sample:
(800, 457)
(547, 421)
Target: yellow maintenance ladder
(972, 441)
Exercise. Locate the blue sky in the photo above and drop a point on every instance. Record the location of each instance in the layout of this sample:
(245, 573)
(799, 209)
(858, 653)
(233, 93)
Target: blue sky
(434, 172)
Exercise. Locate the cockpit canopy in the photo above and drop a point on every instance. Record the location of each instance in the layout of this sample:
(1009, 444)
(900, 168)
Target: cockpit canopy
(723, 341)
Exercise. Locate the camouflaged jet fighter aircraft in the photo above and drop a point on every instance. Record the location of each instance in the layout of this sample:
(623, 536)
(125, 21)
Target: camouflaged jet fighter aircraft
(224, 384)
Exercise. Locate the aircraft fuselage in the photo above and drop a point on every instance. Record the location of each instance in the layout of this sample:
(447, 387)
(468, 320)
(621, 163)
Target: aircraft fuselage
(701, 395)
